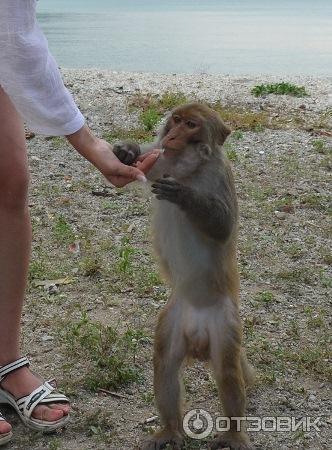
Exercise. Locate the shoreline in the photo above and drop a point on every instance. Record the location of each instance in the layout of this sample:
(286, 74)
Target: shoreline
(194, 74)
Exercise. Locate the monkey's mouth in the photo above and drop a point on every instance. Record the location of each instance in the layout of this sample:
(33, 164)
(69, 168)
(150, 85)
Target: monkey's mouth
(169, 152)
(174, 145)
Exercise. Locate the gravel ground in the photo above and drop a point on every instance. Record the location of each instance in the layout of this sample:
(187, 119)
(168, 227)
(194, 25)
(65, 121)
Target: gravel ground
(94, 241)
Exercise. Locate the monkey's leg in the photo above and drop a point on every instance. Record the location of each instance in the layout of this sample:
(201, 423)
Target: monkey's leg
(169, 353)
(226, 358)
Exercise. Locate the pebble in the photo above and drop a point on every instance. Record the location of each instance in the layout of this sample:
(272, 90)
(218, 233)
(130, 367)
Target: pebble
(52, 289)
(280, 214)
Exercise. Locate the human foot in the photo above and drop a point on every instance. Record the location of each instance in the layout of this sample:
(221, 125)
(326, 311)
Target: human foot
(5, 431)
(36, 402)
(22, 382)
(5, 427)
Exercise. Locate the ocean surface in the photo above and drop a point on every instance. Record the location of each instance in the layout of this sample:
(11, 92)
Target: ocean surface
(191, 36)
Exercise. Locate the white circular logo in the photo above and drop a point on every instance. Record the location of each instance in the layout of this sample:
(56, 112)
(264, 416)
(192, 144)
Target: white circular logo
(197, 424)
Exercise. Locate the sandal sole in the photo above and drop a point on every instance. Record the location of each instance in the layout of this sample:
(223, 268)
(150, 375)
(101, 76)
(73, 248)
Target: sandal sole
(4, 439)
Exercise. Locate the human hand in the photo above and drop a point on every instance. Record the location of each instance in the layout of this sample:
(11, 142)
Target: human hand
(100, 154)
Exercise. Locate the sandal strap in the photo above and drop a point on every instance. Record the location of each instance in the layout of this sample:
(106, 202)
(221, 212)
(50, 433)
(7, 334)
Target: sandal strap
(2, 419)
(42, 395)
(8, 368)
(27, 404)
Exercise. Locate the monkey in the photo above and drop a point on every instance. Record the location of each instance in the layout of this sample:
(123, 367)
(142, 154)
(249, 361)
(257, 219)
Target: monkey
(195, 229)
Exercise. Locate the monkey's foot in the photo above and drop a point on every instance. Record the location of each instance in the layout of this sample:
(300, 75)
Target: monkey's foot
(163, 440)
(232, 440)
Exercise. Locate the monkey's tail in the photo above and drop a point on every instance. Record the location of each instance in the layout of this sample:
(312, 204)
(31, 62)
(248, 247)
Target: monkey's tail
(247, 370)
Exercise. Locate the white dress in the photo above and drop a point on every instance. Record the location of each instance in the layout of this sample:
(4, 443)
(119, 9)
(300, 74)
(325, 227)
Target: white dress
(29, 74)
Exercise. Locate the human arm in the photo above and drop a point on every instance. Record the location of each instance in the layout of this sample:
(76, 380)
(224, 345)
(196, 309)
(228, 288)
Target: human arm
(31, 78)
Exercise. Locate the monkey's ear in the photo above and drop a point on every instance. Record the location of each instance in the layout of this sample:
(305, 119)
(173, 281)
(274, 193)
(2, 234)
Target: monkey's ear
(204, 151)
(164, 127)
(223, 132)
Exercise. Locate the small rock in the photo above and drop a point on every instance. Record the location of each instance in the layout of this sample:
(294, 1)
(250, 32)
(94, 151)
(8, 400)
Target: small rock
(47, 338)
(311, 398)
(280, 214)
(289, 209)
(29, 135)
(52, 289)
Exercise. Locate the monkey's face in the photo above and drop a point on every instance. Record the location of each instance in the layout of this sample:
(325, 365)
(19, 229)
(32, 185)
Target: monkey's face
(181, 131)
(193, 124)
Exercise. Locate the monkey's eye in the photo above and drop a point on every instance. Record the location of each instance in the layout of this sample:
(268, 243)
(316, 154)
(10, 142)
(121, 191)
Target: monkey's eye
(191, 124)
(176, 119)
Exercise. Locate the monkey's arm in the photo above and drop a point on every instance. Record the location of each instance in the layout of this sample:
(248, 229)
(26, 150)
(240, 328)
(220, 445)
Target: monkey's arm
(214, 215)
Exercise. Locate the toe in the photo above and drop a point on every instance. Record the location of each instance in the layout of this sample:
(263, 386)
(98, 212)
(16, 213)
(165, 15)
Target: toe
(5, 427)
(48, 414)
(64, 407)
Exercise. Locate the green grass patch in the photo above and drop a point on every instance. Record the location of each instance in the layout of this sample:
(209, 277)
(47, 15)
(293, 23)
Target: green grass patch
(126, 252)
(282, 88)
(57, 141)
(37, 270)
(265, 297)
(149, 118)
(154, 107)
(237, 135)
(170, 100)
(231, 152)
(242, 119)
(62, 230)
(300, 275)
(91, 266)
(320, 147)
(105, 357)
(139, 135)
(97, 423)
(315, 201)
(54, 444)
(160, 104)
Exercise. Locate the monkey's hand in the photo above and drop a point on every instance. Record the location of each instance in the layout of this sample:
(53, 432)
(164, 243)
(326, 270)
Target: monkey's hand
(169, 189)
(211, 214)
(127, 152)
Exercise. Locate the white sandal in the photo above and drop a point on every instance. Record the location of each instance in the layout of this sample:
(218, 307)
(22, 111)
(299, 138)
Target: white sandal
(4, 437)
(24, 406)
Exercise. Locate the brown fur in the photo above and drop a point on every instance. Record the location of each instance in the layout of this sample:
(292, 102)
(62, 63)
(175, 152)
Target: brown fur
(195, 233)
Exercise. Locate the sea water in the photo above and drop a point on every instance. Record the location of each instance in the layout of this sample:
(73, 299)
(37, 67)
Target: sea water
(191, 36)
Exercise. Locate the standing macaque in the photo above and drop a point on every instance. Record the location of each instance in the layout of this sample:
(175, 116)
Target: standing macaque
(195, 234)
